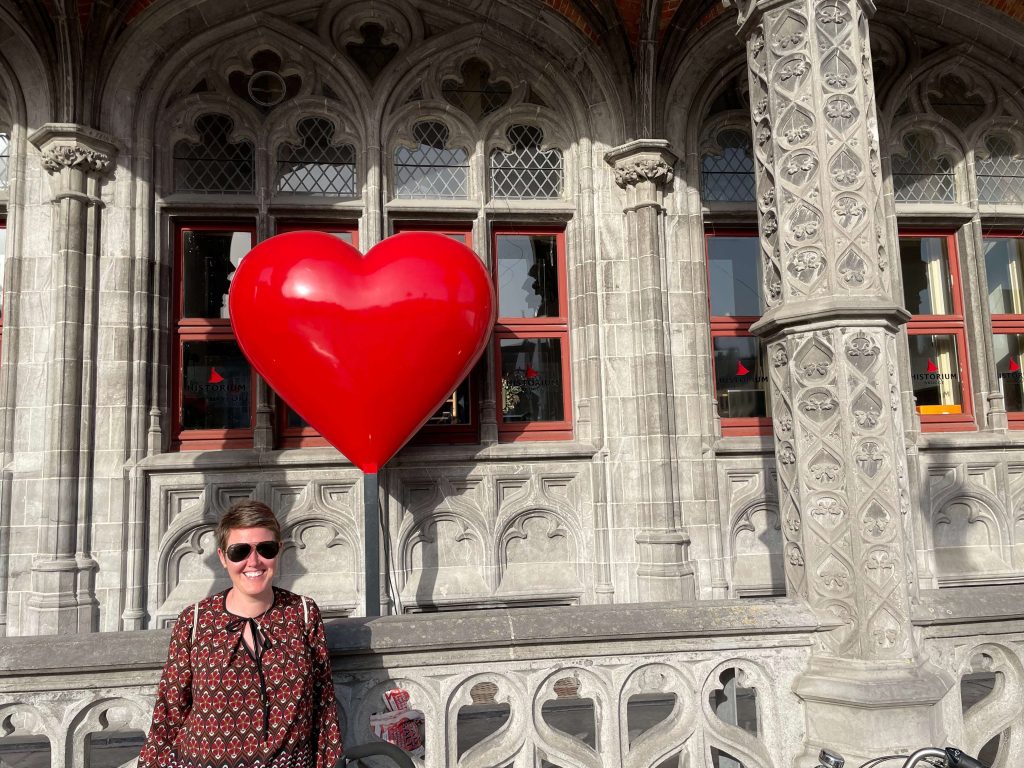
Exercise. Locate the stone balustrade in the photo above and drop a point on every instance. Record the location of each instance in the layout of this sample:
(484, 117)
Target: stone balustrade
(652, 686)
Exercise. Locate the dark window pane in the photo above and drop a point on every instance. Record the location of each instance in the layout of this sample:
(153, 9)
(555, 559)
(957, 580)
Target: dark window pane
(216, 386)
(927, 288)
(741, 377)
(292, 420)
(1008, 365)
(454, 410)
(210, 259)
(1004, 264)
(935, 372)
(531, 380)
(527, 276)
(734, 272)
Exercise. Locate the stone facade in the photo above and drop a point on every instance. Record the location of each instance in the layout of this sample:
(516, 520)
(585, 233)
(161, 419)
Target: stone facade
(840, 574)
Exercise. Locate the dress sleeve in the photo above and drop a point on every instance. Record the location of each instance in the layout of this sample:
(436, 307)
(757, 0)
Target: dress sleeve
(326, 733)
(173, 696)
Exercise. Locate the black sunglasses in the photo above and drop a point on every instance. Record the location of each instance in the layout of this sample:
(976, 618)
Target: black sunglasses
(268, 550)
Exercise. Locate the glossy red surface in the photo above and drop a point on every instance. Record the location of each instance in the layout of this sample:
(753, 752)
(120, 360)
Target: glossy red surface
(364, 348)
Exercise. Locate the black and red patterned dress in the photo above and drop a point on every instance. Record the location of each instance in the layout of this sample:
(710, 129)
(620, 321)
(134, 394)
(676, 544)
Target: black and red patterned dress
(221, 704)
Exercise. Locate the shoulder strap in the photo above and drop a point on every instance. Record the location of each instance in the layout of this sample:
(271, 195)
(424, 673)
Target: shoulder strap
(195, 621)
(305, 612)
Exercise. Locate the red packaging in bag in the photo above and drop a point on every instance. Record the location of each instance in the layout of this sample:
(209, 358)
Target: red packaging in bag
(403, 728)
(396, 699)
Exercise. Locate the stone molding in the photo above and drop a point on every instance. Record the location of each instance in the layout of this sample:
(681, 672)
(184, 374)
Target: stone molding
(78, 147)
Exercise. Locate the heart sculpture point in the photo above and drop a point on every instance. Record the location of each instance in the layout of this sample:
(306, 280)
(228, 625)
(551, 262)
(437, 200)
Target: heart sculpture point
(364, 348)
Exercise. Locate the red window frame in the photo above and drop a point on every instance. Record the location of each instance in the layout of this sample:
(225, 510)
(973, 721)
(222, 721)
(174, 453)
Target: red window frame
(202, 329)
(952, 324)
(305, 437)
(725, 326)
(450, 434)
(1007, 323)
(534, 328)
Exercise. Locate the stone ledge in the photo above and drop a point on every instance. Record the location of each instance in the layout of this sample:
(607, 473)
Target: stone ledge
(496, 628)
(969, 605)
(575, 625)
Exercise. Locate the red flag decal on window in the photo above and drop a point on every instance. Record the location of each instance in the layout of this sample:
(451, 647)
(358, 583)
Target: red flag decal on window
(215, 378)
(932, 367)
(741, 369)
(531, 373)
(1013, 366)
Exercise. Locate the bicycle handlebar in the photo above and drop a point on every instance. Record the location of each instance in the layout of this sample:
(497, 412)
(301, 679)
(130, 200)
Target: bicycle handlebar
(951, 758)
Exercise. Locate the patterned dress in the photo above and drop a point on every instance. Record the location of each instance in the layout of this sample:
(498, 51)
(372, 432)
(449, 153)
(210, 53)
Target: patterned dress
(222, 705)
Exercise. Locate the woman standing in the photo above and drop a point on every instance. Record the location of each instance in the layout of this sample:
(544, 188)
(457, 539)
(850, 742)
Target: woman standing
(248, 676)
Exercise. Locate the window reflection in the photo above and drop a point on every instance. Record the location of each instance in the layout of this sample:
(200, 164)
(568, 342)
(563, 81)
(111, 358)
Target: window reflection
(527, 276)
(209, 261)
(216, 383)
(734, 272)
(927, 288)
(741, 377)
(935, 373)
(1004, 266)
(1008, 366)
(531, 380)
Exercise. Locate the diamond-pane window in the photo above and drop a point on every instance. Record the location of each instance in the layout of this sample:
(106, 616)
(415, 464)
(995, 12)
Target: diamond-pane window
(432, 169)
(5, 159)
(315, 165)
(1000, 171)
(526, 171)
(215, 164)
(919, 175)
(728, 177)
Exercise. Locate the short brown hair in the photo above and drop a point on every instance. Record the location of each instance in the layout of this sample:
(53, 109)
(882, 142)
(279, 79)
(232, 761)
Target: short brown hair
(247, 513)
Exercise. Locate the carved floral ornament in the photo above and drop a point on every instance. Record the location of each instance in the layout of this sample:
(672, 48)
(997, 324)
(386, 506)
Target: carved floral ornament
(59, 156)
(644, 169)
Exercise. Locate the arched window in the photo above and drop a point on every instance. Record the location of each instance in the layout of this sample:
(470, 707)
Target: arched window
(316, 165)
(727, 176)
(526, 171)
(999, 166)
(215, 164)
(5, 157)
(431, 169)
(920, 174)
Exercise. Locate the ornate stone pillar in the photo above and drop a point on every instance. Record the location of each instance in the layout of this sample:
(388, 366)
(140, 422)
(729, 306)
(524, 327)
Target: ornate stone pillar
(645, 428)
(831, 331)
(62, 599)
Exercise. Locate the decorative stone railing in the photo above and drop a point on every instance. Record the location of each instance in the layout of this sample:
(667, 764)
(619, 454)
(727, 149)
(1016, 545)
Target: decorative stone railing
(650, 686)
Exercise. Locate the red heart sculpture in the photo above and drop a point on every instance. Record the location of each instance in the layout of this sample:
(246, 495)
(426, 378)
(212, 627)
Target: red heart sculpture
(364, 348)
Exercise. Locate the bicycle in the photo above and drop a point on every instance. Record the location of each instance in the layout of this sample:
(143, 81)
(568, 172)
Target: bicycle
(951, 757)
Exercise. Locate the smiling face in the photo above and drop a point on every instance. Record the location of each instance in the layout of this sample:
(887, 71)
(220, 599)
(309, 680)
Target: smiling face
(252, 577)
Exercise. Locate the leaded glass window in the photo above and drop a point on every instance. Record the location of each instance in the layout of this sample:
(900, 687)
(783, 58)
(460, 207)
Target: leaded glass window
(728, 177)
(315, 165)
(920, 175)
(526, 171)
(5, 159)
(431, 169)
(215, 164)
(1000, 171)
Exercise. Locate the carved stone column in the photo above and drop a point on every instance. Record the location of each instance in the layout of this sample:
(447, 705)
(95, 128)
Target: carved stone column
(831, 333)
(62, 599)
(644, 440)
